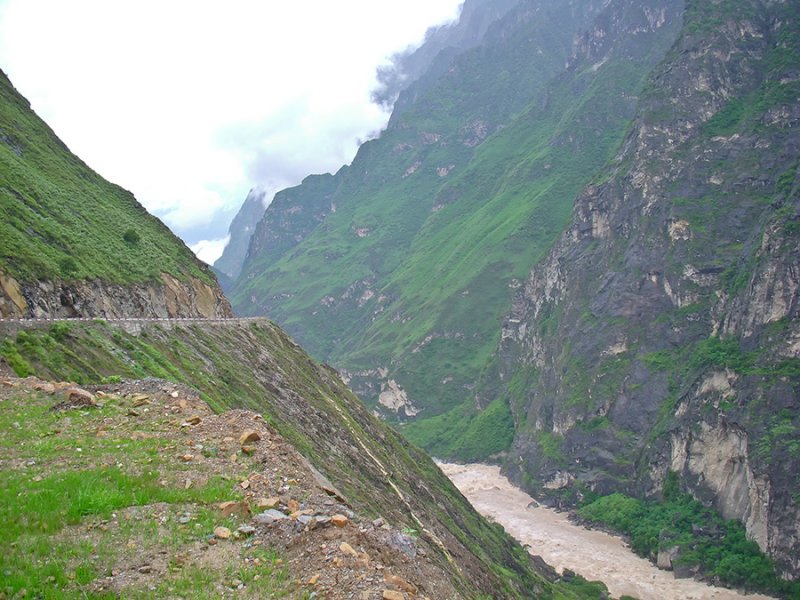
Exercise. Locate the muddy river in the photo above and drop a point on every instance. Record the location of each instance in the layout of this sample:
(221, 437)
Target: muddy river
(593, 554)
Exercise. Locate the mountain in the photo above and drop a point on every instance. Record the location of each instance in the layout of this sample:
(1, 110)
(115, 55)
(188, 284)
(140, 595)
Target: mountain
(574, 251)
(132, 444)
(400, 268)
(73, 244)
(661, 331)
(240, 231)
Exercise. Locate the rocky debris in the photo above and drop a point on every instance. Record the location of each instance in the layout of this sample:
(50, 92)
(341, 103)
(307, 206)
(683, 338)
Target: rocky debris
(248, 437)
(285, 506)
(75, 397)
(339, 520)
(230, 508)
(267, 503)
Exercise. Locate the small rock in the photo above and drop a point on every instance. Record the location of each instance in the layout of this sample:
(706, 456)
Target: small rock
(240, 509)
(265, 503)
(133, 413)
(392, 595)
(249, 450)
(174, 394)
(246, 530)
(248, 437)
(245, 484)
(195, 420)
(339, 520)
(75, 397)
(401, 583)
(348, 549)
(379, 522)
(140, 402)
(269, 516)
(314, 579)
(145, 569)
(187, 457)
(184, 519)
(301, 513)
(222, 533)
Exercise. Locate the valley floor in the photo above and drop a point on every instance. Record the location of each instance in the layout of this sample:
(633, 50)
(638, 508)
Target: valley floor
(592, 554)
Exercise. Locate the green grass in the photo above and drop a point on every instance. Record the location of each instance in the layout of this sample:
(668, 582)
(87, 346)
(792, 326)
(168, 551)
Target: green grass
(60, 220)
(78, 500)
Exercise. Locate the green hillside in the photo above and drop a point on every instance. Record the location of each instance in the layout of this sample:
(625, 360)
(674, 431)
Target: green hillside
(61, 220)
(438, 219)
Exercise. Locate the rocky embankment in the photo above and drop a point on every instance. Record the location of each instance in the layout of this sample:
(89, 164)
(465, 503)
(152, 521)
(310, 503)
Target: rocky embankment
(167, 297)
(226, 503)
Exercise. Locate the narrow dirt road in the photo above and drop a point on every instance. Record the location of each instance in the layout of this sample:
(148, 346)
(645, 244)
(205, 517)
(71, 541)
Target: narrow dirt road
(593, 554)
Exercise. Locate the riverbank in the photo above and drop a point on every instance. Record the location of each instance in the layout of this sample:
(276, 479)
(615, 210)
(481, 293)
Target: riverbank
(593, 554)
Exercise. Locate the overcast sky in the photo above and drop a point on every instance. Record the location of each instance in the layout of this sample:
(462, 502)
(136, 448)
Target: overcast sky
(189, 104)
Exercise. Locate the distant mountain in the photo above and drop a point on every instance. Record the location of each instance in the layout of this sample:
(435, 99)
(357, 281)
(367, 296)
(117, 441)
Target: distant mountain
(240, 231)
(73, 244)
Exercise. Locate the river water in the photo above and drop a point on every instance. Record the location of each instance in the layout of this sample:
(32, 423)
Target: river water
(592, 554)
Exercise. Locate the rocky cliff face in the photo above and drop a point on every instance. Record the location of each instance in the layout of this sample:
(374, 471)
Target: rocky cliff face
(661, 332)
(167, 297)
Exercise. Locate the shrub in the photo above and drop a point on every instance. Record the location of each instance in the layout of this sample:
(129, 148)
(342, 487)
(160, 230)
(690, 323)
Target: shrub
(132, 237)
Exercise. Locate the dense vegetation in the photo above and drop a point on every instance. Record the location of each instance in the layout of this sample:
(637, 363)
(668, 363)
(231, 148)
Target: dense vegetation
(716, 548)
(61, 220)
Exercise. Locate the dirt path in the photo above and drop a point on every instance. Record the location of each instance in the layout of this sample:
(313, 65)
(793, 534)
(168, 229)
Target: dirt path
(593, 554)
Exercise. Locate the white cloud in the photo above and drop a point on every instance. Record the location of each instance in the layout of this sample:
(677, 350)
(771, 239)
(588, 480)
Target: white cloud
(210, 250)
(189, 104)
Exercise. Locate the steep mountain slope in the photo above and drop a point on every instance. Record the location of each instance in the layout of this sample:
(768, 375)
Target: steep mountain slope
(369, 467)
(401, 276)
(661, 332)
(73, 244)
(344, 456)
(410, 70)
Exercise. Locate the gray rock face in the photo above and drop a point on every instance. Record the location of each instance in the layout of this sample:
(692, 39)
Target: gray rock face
(167, 298)
(661, 332)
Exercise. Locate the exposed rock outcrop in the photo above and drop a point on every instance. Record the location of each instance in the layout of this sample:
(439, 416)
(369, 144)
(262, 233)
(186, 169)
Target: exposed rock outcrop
(661, 330)
(166, 298)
